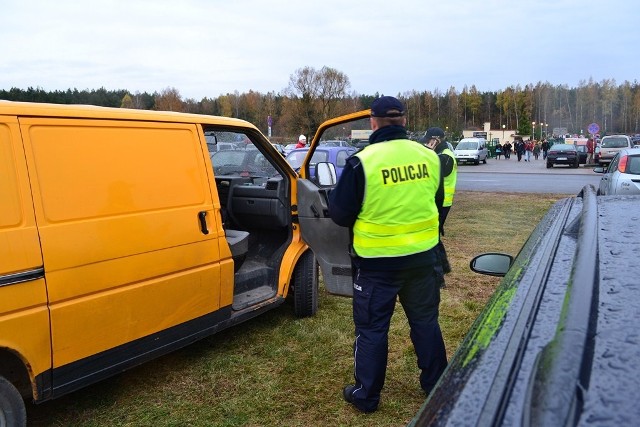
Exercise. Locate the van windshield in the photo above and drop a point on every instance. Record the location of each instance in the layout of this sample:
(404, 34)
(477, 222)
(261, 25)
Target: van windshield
(467, 145)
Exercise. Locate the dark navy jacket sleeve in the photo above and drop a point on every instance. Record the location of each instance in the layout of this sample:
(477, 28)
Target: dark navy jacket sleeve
(345, 200)
(446, 164)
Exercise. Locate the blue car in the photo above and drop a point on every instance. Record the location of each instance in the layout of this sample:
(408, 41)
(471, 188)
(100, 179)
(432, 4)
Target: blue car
(336, 155)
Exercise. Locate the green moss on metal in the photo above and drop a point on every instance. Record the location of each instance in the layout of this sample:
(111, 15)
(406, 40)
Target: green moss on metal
(491, 321)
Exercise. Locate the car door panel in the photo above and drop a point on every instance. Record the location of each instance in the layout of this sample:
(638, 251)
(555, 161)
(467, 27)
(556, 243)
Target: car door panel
(329, 241)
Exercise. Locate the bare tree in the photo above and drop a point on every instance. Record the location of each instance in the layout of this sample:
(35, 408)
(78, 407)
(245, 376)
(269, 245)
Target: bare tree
(169, 100)
(318, 95)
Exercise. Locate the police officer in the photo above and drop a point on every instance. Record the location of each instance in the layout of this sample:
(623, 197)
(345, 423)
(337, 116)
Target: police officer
(388, 195)
(434, 139)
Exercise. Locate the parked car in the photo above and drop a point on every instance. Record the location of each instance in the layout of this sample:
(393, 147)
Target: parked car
(288, 148)
(336, 155)
(279, 148)
(583, 154)
(622, 176)
(361, 144)
(334, 143)
(610, 145)
(563, 154)
(556, 345)
(471, 150)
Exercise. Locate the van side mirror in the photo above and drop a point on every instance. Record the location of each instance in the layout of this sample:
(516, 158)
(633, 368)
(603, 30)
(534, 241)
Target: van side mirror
(326, 174)
(491, 264)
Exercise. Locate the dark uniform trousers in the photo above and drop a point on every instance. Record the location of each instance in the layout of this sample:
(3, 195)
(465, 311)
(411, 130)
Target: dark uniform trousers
(374, 299)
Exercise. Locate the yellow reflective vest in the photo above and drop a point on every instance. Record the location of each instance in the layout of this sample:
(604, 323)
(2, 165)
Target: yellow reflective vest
(399, 215)
(450, 180)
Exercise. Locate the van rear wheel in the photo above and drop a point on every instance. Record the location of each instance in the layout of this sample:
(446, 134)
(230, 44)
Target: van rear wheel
(305, 286)
(12, 410)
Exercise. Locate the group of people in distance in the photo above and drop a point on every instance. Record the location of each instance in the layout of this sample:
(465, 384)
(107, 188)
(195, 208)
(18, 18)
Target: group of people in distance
(523, 149)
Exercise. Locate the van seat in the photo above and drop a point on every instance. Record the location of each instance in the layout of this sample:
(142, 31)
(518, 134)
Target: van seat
(238, 243)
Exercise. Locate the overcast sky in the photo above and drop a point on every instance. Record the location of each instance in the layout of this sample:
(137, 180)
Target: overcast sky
(205, 48)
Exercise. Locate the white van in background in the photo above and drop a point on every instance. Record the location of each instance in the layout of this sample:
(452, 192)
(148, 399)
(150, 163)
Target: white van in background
(472, 150)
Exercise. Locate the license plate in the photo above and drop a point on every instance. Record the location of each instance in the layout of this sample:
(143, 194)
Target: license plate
(562, 158)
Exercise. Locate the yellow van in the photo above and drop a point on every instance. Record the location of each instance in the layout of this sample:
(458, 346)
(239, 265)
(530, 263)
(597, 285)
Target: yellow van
(126, 234)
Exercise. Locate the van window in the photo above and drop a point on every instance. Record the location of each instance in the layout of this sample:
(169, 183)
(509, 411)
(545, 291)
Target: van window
(241, 158)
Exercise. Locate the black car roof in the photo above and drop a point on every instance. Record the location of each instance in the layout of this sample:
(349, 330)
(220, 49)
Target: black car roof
(558, 342)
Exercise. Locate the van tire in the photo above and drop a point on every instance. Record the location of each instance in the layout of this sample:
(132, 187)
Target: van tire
(484, 160)
(305, 286)
(12, 410)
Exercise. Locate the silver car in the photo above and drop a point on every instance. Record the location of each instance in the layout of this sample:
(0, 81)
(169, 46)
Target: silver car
(610, 145)
(622, 176)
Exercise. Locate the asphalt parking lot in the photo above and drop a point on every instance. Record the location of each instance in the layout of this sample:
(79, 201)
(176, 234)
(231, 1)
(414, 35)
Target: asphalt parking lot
(512, 165)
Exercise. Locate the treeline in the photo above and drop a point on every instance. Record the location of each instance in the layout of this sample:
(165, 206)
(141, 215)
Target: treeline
(316, 95)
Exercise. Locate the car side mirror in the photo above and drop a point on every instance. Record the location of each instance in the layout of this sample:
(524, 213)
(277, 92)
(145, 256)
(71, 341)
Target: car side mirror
(599, 169)
(326, 174)
(491, 264)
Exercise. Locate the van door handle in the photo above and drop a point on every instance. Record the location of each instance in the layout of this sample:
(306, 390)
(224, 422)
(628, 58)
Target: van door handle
(202, 216)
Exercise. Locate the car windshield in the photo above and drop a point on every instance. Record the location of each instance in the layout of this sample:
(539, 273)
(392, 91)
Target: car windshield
(614, 142)
(467, 145)
(295, 158)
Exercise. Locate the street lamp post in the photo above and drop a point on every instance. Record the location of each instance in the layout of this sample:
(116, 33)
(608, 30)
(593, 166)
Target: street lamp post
(533, 130)
(503, 126)
(541, 124)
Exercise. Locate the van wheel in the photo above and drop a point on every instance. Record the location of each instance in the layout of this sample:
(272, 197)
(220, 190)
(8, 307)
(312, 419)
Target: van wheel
(12, 410)
(305, 286)
(476, 162)
(484, 161)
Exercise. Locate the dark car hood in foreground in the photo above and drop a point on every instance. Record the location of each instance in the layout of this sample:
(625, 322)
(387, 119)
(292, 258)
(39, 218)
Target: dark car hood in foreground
(559, 342)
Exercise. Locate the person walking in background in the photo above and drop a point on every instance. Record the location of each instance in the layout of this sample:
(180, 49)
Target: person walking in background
(506, 147)
(434, 140)
(519, 147)
(389, 196)
(302, 141)
(528, 148)
(545, 148)
(498, 151)
(590, 151)
(536, 150)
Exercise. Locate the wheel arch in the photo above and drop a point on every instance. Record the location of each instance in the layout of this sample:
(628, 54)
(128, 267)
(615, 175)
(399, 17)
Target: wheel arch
(15, 370)
(290, 260)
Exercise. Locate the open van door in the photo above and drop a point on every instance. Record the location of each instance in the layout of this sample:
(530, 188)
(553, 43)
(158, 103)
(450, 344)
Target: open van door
(329, 241)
